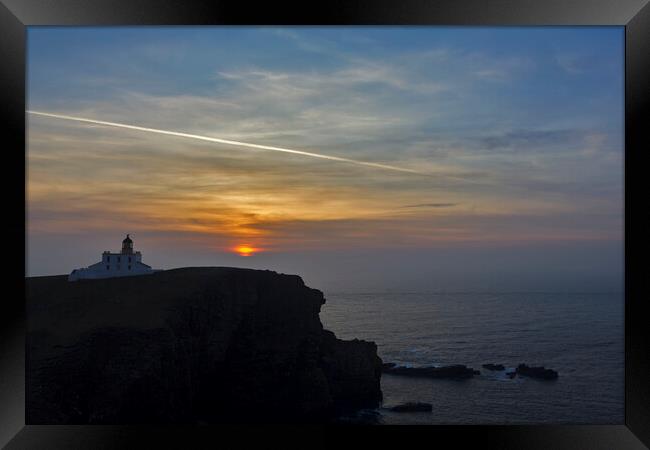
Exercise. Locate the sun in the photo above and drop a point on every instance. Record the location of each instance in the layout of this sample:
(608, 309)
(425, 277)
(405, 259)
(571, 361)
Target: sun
(245, 250)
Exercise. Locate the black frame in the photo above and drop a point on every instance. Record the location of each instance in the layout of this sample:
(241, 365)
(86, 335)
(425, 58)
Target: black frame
(15, 15)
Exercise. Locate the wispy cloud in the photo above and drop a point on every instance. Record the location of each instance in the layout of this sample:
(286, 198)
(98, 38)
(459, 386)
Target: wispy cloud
(431, 205)
(571, 64)
(498, 69)
(530, 139)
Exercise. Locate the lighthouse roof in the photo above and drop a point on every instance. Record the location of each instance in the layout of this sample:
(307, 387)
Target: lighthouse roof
(127, 240)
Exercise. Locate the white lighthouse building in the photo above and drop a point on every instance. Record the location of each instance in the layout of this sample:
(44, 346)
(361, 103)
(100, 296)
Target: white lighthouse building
(123, 264)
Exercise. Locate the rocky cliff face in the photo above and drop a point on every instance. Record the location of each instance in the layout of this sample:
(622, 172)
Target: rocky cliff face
(189, 345)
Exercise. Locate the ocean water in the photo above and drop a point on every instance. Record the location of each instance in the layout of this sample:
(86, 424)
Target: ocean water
(579, 335)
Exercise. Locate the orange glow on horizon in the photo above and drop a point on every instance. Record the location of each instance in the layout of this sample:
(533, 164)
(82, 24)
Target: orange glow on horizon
(246, 250)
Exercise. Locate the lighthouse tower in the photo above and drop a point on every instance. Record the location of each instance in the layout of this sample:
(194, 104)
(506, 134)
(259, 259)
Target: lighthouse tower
(127, 246)
(123, 264)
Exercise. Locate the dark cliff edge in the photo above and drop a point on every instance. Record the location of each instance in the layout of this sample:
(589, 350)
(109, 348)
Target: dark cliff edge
(191, 345)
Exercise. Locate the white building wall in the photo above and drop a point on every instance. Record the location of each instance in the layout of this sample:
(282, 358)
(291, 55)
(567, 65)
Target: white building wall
(113, 265)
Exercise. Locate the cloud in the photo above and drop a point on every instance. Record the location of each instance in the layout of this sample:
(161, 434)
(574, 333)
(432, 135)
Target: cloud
(530, 139)
(355, 73)
(431, 205)
(497, 69)
(492, 74)
(573, 64)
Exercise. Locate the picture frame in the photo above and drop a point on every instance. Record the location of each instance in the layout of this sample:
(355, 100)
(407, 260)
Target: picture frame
(16, 15)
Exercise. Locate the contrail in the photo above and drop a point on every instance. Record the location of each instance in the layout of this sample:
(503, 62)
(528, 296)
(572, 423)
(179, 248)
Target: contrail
(226, 141)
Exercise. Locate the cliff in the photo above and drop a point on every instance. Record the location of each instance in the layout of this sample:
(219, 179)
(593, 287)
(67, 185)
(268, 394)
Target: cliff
(189, 345)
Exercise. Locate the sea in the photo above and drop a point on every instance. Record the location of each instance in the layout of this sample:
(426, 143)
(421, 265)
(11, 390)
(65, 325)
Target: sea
(580, 335)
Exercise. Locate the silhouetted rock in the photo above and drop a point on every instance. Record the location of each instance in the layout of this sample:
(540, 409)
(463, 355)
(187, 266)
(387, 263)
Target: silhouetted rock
(361, 417)
(537, 372)
(412, 407)
(494, 366)
(197, 344)
(453, 371)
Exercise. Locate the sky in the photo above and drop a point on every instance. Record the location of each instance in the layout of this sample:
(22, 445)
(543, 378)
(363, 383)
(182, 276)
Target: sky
(364, 158)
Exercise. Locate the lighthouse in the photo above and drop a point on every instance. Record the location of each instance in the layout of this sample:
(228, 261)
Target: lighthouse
(123, 264)
(127, 246)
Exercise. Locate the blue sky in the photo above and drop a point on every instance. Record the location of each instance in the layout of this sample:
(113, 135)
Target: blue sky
(518, 130)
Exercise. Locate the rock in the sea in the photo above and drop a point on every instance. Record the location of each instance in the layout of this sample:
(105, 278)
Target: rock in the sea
(212, 345)
(453, 371)
(537, 372)
(494, 366)
(412, 407)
